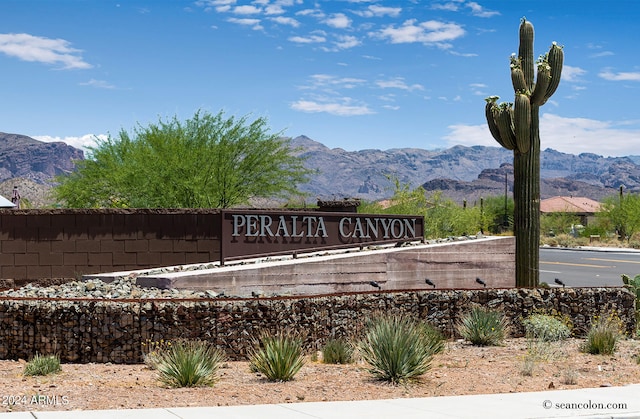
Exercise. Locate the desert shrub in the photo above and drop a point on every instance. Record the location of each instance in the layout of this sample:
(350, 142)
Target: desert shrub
(42, 365)
(570, 376)
(337, 351)
(546, 328)
(188, 363)
(483, 327)
(398, 348)
(603, 336)
(528, 365)
(278, 357)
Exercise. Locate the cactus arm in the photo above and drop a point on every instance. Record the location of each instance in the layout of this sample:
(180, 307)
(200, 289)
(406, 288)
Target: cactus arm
(504, 121)
(491, 122)
(555, 58)
(543, 80)
(517, 76)
(525, 51)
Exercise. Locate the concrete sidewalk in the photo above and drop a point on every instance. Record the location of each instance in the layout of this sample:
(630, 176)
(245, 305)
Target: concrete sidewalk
(605, 402)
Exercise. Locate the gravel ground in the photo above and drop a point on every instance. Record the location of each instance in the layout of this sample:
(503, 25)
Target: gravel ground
(460, 369)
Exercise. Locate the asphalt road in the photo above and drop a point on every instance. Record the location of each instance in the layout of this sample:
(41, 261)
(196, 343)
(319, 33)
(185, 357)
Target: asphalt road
(587, 268)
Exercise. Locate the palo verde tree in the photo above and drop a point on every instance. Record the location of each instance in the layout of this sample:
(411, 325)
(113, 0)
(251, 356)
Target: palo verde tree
(208, 161)
(516, 126)
(623, 213)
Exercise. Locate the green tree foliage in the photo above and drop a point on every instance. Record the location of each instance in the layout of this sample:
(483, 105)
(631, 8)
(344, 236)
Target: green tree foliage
(208, 161)
(404, 201)
(498, 218)
(443, 216)
(623, 214)
(556, 223)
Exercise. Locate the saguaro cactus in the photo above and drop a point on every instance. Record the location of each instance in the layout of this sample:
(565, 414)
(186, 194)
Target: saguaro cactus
(516, 126)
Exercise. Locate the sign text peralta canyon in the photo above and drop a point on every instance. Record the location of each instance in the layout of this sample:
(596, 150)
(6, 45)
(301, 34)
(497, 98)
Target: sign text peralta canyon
(270, 232)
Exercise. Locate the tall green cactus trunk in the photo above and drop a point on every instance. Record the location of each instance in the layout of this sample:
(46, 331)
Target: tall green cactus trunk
(516, 126)
(526, 217)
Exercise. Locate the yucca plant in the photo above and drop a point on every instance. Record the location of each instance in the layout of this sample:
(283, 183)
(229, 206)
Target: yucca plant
(337, 351)
(278, 356)
(189, 363)
(42, 365)
(483, 327)
(398, 348)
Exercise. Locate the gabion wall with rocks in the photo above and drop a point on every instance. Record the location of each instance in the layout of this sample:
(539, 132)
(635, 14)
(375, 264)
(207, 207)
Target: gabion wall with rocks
(116, 330)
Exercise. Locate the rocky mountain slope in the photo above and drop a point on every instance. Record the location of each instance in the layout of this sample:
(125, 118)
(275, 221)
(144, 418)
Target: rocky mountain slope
(460, 172)
(31, 165)
(24, 157)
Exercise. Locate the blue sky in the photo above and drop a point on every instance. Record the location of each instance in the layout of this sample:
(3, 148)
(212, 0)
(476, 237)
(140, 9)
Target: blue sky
(354, 74)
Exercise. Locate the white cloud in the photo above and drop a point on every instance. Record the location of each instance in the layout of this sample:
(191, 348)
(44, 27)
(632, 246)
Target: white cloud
(572, 74)
(451, 6)
(607, 74)
(463, 54)
(285, 21)
(431, 32)
(338, 21)
(246, 10)
(220, 6)
(311, 39)
(323, 81)
(44, 50)
(601, 54)
(480, 11)
(333, 108)
(398, 83)
(379, 11)
(568, 135)
(101, 84)
(273, 9)
(318, 14)
(478, 89)
(346, 42)
(84, 142)
(254, 23)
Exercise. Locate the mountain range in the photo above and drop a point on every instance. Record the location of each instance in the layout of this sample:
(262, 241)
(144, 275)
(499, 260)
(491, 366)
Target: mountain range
(461, 173)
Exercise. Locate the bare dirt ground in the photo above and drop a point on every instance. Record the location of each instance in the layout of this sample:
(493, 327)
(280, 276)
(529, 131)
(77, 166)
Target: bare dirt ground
(460, 369)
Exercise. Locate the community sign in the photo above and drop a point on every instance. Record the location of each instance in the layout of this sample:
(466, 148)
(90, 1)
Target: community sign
(252, 232)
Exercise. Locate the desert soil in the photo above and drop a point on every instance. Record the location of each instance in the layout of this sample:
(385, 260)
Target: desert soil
(460, 369)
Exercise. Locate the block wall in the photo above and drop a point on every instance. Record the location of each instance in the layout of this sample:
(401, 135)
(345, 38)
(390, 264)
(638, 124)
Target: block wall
(65, 244)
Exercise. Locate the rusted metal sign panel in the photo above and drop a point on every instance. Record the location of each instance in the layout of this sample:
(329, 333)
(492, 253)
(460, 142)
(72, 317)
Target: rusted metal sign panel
(257, 233)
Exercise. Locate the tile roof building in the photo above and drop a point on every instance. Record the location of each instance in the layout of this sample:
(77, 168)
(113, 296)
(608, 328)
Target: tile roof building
(584, 208)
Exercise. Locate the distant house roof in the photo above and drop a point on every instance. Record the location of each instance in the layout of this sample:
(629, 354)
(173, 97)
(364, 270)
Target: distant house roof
(5, 203)
(570, 204)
